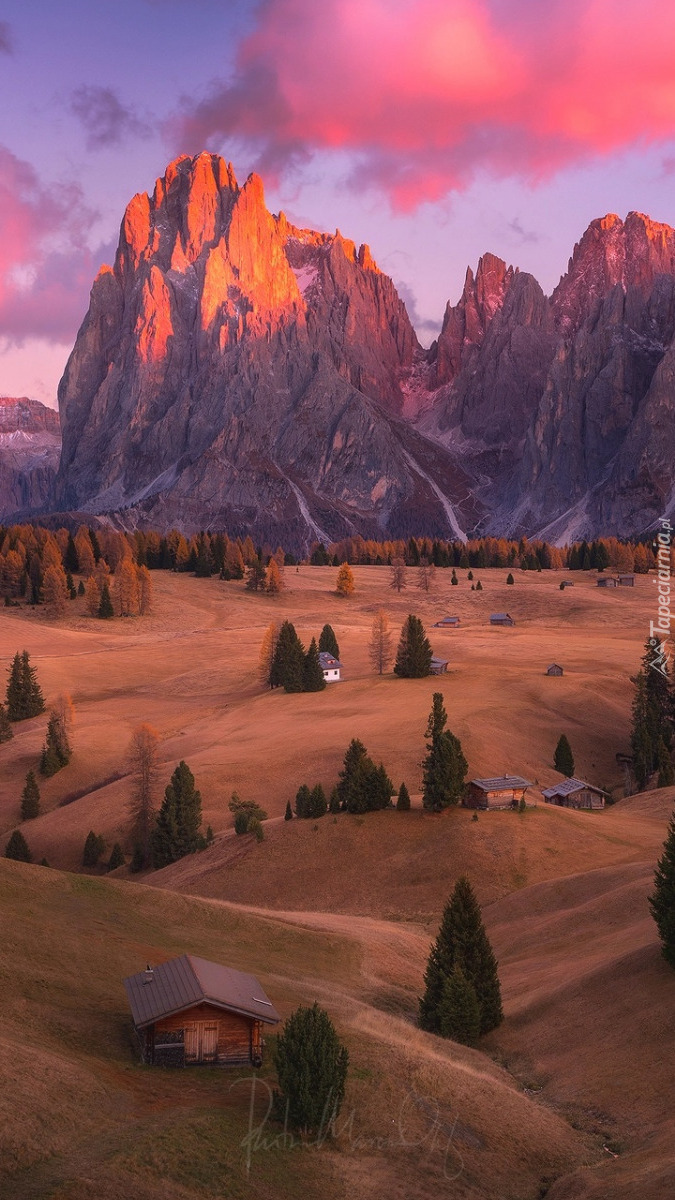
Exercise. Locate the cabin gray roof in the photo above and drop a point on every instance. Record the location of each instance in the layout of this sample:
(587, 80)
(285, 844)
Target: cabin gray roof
(188, 980)
(438, 662)
(502, 782)
(567, 787)
(328, 662)
(501, 617)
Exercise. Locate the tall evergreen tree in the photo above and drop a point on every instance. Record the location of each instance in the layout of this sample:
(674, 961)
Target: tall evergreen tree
(313, 680)
(302, 801)
(176, 831)
(414, 654)
(563, 759)
(403, 800)
(328, 642)
(288, 815)
(94, 847)
(445, 767)
(256, 577)
(462, 941)
(6, 731)
(288, 663)
(56, 750)
(317, 802)
(116, 857)
(17, 848)
(459, 1010)
(311, 1065)
(662, 901)
(347, 776)
(653, 716)
(105, 608)
(24, 697)
(30, 798)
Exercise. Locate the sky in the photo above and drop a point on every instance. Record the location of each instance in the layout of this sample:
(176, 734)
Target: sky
(433, 130)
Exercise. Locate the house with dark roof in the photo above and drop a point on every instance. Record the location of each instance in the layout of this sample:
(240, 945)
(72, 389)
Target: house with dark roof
(574, 793)
(438, 666)
(501, 619)
(607, 581)
(447, 623)
(505, 791)
(554, 669)
(330, 666)
(190, 1011)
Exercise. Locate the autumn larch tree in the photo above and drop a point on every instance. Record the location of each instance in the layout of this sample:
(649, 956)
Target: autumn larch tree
(445, 767)
(344, 584)
(256, 577)
(379, 648)
(267, 649)
(328, 642)
(425, 575)
(398, 571)
(144, 591)
(462, 941)
(414, 654)
(143, 753)
(275, 579)
(126, 589)
(55, 590)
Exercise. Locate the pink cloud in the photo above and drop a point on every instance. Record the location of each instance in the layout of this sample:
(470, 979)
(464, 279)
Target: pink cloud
(427, 92)
(45, 266)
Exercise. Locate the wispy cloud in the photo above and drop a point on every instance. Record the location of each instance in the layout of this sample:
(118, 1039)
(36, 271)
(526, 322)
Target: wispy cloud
(521, 234)
(6, 40)
(106, 120)
(425, 93)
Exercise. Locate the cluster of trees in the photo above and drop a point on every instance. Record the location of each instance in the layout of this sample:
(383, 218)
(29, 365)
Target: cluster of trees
(23, 700)
(652, 736)
(444, 769)
(285, 663)
(462, 995)
(161, 837)
(309, 803)
(248, 816)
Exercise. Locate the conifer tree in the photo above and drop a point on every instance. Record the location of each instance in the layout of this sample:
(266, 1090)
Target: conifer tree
(17, 848)
(379, 647)
(453, 578)
(256, 577)
(302, 801)
(30, 798)
(116, 857)
(334, 802)
(662, 901)
(55, 590)
(94, 847)
(344, 584)
(56, 750)
(328, 642)
(176, 831)
(313, 680)
(275, 580)
(459, 1010)
(398, 574)
(445, 767)
(267, 649)
(403, 799)
(653, 716)
(288, 664)
(348, 775)
(563, 759)
(92, 596)
(317, 802)
(6, 731)
(288, 815)
(462, 941)
(510, 579)
(414, 654)
(24, 697)
(311, 1065)
(105, 608)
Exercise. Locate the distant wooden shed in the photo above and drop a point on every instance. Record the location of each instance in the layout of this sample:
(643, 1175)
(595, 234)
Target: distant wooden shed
(190, 1011)
(574, 793)
(626, 580)
(554, 669)
(447, 622)
(501, 619)
(567, 583)
(607, 581)
(505, 791)
(438, 666)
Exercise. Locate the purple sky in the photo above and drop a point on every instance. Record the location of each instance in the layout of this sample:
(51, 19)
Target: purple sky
(434, 130)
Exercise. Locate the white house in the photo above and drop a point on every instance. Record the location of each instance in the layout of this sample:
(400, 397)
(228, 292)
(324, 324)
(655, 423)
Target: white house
(330, 666)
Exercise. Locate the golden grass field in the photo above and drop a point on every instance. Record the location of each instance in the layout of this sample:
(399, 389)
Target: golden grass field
(343, 910)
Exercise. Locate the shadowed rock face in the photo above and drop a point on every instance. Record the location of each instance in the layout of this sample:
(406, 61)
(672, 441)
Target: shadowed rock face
(234, 371)
(30, 442)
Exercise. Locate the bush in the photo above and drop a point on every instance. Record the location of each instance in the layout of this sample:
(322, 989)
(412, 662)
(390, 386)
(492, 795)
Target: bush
(311, 1065)
(17, 848)
(94, 847)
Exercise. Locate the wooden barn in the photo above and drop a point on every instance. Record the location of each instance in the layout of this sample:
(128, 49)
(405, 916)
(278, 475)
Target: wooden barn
(607, 581)
(447, 623)
(554, 669)
(438, 666)
(189, 1011)
(574, 793)
(501, 619)
(626, 580)
(506, 791)
(567, 583)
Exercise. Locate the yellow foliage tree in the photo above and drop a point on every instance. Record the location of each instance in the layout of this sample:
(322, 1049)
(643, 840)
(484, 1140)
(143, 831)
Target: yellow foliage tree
(344, 585)
(55, 590)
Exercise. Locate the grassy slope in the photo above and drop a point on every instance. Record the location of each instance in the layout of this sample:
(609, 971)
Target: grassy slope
(81, 1117)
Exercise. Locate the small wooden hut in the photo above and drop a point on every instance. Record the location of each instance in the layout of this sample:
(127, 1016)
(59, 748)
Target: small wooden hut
(574, 793)
(190, 1011)
(501, 619)
(438, 666)
(506, 791)
(554, 669)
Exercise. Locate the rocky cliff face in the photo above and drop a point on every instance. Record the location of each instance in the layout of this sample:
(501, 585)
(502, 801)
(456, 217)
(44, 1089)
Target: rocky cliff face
(30, 443)
(234, 371)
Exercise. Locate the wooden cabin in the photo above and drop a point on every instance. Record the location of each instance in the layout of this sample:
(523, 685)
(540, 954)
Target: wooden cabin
(447, 623)
(567, 583)
(554, 669)
(438, 666)
(190, 1011)
(607, 581)
(626, 580)
(330, 666)
(501, 619)
(574, 793)
(506, 791)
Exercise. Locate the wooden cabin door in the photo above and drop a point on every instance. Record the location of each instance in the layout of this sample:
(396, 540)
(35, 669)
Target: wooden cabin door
(201, 1042)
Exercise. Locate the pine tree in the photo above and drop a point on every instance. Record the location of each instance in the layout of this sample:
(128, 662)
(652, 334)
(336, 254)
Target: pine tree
(176, 831)
(288, 815)
(256, 577)
(344, 584)
(288, 663)
(414, 654)
(24, 698)
(267, 649)
(563, 759)
(662, 901)
(328, 643)
(311, 1065)
(56, 750)
(6, 731)
(116, 857)
(17, 848)
(445, 767)
(462, 941)
(403, 799)
(653, 715)
(317, 802)
(453, 578)
(334, 802)
(302, 801)
(459, 1010)
(94, 847)
(105, 608)
(30, 798)
(313, 680)
(510, 579)
(348, 775)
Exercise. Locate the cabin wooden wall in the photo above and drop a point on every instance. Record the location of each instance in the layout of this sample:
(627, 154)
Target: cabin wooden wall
(238, 1037)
